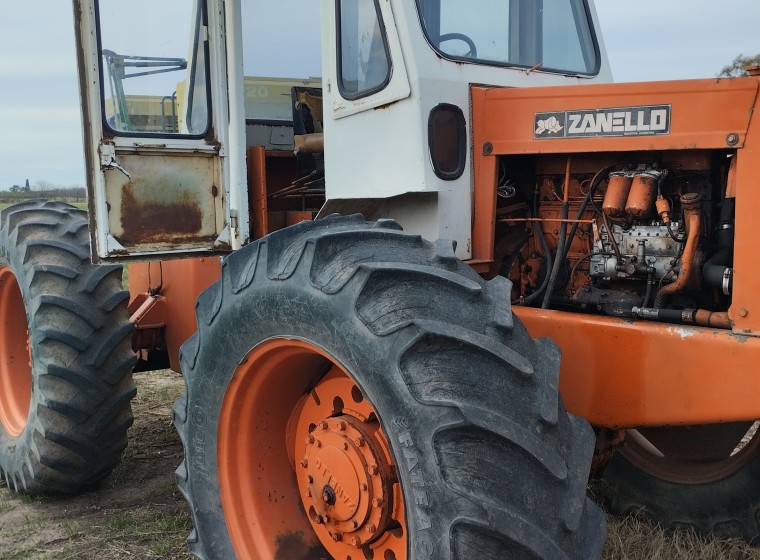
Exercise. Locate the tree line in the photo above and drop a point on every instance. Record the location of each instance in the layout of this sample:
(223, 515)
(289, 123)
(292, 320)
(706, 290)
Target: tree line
(43, 189)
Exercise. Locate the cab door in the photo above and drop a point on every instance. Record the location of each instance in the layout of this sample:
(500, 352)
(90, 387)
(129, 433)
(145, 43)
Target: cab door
(165, 159)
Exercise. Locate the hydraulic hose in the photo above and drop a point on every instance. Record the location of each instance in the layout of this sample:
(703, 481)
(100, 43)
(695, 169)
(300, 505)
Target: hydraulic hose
(549, 263)
(717, 272)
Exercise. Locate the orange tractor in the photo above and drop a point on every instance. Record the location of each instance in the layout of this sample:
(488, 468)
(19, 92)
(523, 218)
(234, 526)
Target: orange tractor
(354, 391)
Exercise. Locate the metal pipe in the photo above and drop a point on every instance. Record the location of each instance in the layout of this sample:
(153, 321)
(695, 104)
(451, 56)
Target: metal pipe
(257, 179)
(235, 124)
(692, 209)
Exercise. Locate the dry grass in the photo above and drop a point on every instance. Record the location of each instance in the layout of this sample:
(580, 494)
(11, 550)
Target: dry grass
(138, 513)
(637, 539)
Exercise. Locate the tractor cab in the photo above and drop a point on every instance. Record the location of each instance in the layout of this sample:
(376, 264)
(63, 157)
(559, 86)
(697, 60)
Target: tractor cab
(170, 116)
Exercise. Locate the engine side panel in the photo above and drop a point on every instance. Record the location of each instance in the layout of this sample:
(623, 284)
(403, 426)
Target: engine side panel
(655, 304)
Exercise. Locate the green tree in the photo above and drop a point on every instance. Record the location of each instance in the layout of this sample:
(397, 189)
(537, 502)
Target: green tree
(737, 68)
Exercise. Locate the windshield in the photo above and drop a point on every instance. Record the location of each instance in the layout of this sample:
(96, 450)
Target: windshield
(555, 35)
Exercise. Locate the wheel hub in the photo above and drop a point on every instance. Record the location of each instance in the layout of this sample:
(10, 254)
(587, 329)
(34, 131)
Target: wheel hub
(347, 481)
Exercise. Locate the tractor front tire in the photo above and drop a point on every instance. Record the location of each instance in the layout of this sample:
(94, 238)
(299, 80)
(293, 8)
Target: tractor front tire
(356, 392)
(65, 353)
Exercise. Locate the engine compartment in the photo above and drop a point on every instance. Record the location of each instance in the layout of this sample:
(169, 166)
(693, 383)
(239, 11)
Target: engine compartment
(644, 235)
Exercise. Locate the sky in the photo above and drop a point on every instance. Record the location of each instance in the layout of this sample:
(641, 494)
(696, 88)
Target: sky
(40, 125)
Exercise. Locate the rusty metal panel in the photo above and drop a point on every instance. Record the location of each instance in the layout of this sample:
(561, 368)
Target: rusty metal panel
(171, 203)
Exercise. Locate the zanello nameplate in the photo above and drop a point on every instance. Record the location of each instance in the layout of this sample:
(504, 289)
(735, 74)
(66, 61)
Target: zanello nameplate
(648, 120)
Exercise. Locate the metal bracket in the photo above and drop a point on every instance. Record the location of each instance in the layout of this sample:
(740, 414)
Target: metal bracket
(108, 159)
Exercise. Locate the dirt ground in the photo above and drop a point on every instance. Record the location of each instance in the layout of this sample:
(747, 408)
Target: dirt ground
(137, 512)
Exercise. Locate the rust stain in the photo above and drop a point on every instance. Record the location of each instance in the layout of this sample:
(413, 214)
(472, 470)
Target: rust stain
(144, 222)
(293, 546)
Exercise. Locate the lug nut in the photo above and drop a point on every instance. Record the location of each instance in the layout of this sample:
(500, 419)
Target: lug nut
(364, 487)
(355, 523)
(372, 469)
(371, 529)
(356, 541)
(318, 443)
(359, 442)
(337, 537)
(304, 463)
(318, 520)
(323, 425)
(309, 439)
(377, 502)
(341, 425)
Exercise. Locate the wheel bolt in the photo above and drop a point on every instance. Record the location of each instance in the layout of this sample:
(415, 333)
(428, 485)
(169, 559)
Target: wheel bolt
(355, 523)
(309, 439)
(371, 529)
(377, 502)
(359, 442)
(318, 520)
(341, 425)
(356, 541)
(337, 537)
(372, 469)
(304, 463)
(364, 487)
(318, 443)
(323, 425)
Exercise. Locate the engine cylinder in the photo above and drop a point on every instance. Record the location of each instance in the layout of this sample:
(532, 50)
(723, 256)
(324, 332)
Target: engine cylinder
(642, 196)
(616, 198)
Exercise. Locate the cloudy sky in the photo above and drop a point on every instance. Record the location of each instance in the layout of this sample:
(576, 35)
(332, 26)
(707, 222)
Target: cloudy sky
(40, 131)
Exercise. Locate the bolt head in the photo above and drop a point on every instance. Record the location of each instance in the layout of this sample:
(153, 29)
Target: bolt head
(304, 463)
(341, 425)
(356, 541)
(359, 442)
(377, 502)
(743, 312)
(309, 439)
(371, 528)
(364, 487)
(323, 425)
(318, 520)
(372, 469)
(337, 537)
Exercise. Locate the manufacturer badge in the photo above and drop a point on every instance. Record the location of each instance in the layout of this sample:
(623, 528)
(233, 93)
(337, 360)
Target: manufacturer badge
(647, 120)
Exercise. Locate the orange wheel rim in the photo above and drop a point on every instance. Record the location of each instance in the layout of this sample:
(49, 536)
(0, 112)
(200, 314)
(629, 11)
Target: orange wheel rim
(303, 462)
(15, 356)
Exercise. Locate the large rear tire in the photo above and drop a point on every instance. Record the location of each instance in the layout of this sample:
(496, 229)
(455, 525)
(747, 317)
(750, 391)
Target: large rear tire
(65, 353)
(356, 392)
(704, 478)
